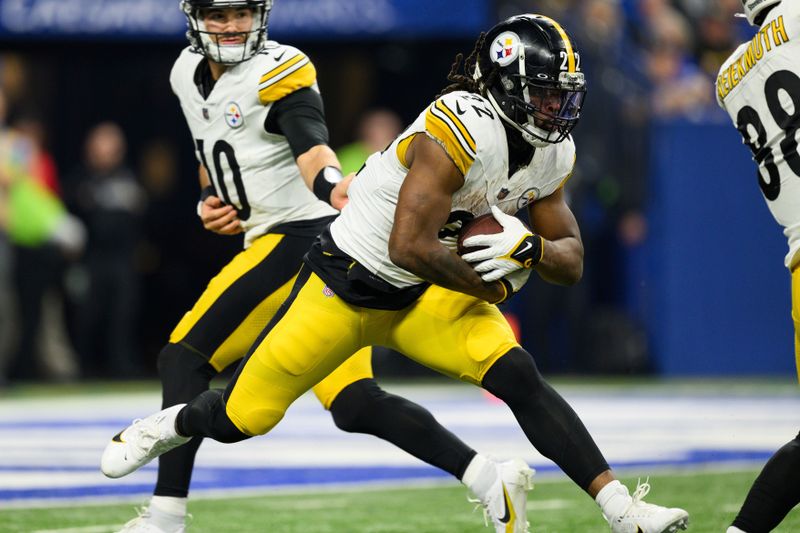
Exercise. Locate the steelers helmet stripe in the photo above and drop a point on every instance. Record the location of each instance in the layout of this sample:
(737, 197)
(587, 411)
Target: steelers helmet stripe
(446, 133)
(296, 76)
(565, 38)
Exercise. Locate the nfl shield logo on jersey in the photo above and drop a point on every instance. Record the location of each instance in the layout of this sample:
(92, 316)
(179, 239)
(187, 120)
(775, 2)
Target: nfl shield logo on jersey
(233, 115)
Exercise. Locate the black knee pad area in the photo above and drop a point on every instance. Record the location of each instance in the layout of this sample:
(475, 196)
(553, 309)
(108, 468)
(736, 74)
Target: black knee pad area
(205, 416)
(179, 359)
(184, 374)
(356, 405)
(514, 377)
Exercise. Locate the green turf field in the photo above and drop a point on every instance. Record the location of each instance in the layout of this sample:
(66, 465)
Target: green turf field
(711, 498)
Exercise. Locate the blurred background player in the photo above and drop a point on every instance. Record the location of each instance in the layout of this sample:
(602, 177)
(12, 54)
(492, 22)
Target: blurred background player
(376, 130)
(105, 193)
(385, 271)
(759, 87)
(255, 112)
(42, 234)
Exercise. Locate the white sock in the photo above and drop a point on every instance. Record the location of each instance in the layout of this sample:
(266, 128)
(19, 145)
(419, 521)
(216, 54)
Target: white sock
(169, 504)
(167, 513)
(613, 499)
(734, 529)
(479, 476)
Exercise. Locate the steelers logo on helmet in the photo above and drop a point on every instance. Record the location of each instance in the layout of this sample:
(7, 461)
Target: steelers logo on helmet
(529, 69)
(505, 48)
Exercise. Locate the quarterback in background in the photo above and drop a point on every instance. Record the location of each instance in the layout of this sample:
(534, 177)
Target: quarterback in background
(759, 87)
(386, 272)
(256, 117)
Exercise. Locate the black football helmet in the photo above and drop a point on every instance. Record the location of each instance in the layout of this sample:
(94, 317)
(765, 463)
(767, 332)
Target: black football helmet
(530, 71)
(201, 40)
(754, 8)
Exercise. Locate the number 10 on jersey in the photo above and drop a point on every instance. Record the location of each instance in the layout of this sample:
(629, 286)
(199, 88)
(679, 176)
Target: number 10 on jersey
(217, 177)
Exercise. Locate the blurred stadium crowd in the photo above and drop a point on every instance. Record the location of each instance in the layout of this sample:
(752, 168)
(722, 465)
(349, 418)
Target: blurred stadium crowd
(100, 250)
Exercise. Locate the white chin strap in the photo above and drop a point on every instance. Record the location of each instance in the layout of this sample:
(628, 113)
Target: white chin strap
(224, 54)
(538, 143)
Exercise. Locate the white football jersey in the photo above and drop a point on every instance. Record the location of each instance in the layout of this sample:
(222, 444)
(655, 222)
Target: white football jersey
(251, 169)
(467, 127)
(759, 87)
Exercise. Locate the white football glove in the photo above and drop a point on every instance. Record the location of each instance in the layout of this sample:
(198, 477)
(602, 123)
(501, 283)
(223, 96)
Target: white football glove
(513, 283)
(518, 278)
(513, 249)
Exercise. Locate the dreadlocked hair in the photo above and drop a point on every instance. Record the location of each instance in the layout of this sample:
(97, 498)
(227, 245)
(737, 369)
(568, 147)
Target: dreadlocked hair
(464, 81)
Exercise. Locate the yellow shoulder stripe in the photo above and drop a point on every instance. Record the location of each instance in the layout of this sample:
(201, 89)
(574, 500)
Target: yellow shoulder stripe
(571, 172)
(282, 67)
(402, 148)
(565, 38)
(296, 73)
(457, 122)
(452, 135)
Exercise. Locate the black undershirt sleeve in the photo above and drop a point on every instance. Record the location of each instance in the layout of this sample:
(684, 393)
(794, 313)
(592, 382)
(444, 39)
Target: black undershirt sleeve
(300, 117)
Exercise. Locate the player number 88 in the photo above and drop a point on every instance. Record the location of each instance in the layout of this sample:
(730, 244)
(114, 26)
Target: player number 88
(789, 83)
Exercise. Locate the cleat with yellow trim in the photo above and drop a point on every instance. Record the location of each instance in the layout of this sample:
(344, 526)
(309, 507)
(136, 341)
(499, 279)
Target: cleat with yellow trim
(141, 442)
(505, 503)
(642, 517)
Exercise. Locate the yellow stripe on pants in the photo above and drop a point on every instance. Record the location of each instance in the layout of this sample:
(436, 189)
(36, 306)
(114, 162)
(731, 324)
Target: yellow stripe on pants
(796, 316)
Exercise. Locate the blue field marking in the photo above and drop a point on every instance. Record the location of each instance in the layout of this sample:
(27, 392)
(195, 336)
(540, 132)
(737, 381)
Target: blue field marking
(50, 447)
(64, 424)
(221, 479)
(239, 478)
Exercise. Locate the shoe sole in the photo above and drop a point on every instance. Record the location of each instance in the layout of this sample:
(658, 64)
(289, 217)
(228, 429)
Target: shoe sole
(679, 524)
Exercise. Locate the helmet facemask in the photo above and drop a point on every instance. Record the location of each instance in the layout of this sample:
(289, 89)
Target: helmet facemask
(545, 111)
(207, 43)
(754, 8)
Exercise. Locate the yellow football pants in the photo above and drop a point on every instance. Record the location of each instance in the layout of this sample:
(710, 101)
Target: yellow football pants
(239, 302)
(796, 316)
(455, 334)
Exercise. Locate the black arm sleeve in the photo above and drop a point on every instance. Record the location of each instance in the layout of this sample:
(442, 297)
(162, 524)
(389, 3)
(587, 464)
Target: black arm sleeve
(300, 118)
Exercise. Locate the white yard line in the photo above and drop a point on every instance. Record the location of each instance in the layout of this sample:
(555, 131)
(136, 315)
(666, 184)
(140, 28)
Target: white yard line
(103, 528)
(55, 443)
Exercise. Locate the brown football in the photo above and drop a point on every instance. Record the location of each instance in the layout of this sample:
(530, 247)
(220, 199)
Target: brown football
(482, 225)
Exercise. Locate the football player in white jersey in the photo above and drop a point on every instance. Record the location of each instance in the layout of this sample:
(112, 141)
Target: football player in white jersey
(759, 87)
(386, 271)
(256, 117)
